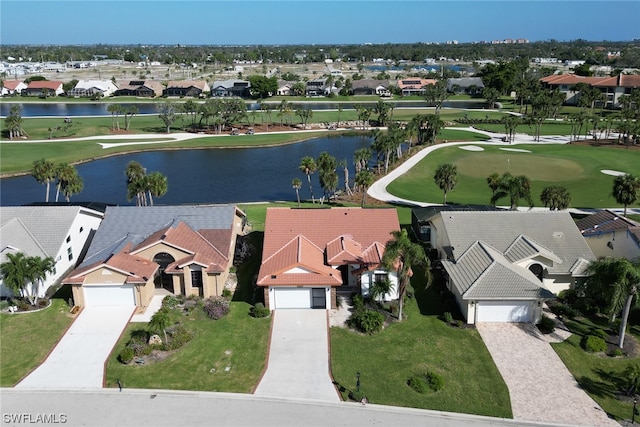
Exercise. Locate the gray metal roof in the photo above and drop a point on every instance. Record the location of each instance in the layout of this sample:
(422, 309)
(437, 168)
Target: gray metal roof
(48, 225)
(132, 224)
(553, 230)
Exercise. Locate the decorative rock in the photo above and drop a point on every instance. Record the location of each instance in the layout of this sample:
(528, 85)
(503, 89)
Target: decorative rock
(155, 339)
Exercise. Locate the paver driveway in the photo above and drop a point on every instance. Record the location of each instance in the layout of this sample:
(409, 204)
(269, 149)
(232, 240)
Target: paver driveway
(78, 359)
(540, 386)
(299, 357)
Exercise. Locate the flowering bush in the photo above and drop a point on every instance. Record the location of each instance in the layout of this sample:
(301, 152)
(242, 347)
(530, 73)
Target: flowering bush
(216, 308)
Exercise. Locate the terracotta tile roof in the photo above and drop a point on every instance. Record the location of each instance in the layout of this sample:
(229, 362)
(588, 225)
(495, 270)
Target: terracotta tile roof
(622, 80)
(415, 83)
(45, 84)
(11, 84)
(300, 237)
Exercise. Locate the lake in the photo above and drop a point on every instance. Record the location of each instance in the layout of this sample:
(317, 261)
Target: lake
(229, 175)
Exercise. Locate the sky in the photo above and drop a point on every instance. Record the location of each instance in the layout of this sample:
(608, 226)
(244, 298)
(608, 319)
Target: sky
(266, 22)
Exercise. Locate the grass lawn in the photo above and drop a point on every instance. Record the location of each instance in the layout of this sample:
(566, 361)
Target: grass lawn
(575, 167)
(189, 367)
(28, 338)
(599, 375)
(386, 360)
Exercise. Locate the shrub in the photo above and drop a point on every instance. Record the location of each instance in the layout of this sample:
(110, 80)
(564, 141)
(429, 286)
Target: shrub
(435, 381)
(170, 301)
(126, 355)
(23, 305)
(226, 293)
(448, 317)
(418, 383)
(459, 323)
(178, 336)
(4, 304)
(593, 344)
(139, 343)
(358, 303)
(259, 310)
(216, 308)
(367, 321)
(43, 303)
(599, 333)
(546, 325)
(617, 352)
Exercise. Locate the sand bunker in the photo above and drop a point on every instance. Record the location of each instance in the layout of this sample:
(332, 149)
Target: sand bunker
(471, 148)
(613, 173)
(518, 150)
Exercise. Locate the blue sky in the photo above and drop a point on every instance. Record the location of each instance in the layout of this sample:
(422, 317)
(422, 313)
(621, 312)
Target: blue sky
(313, 22)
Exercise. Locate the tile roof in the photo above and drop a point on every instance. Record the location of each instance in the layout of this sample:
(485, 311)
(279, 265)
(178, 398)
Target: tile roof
(622, 80)
(604, 221)
(45, 84)
(553, 230)
(200, 84)
(415, 83)
(11, 84)
(303, 237)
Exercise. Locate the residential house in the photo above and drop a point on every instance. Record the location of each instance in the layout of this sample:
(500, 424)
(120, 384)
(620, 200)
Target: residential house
(12, 87)
(189, 88)
(611, 235)
(59, 232)
(502, 265)
(311, 254)
(284, 88)
(370, 87)
(467, 85)
(413, 85)
(91, 88)
(232, 87)
(138, 251)
(316, 87)
(43, 88)
(612, 87)
(141, 88)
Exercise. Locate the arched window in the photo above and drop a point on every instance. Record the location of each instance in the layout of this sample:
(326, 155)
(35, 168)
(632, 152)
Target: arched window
(163, 259)
(538, 270)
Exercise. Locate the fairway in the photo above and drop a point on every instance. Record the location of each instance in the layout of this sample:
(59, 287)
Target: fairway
(576, 167)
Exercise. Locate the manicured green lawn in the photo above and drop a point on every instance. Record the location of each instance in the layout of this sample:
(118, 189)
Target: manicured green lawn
(386, 360)
(189, 368)
(599, 375)
(27, 339)
(575, 167)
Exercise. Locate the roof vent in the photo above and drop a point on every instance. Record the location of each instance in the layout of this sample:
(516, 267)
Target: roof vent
(273, 276)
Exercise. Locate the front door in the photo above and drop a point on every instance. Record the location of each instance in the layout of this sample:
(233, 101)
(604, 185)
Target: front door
(318, 298)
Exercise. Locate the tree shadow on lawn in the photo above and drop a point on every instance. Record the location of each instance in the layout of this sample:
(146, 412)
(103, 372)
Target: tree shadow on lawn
(598, 388)
(247, 271)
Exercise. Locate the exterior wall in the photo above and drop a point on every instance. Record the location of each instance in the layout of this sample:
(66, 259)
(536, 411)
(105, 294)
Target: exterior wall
(557, 282)
(144, 293)
(213, 285)
(333, 297)
(618, 245)
(267, 299)
(78, 295)
(369, 276)
(152, 251)
(439, 238)
(104, 276)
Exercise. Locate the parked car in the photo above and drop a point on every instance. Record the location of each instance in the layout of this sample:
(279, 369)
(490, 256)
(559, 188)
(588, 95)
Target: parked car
(250, 131)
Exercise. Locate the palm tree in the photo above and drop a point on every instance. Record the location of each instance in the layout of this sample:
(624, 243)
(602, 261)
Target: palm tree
(296, 184)
(160, 322)
(494, 183)
(626, 190)
(39, 268)
(617, 281)
(402, 254)
(64, 173)
(345, 173)
(73, 185)
(514, 187)
(44, 172)
(556, 197)
(361, 158)
(114, 109)
(129, 112)
(379, 288)
(156, 185)
(446, 178)
(136, 186)
(308, 166)
(364, 179)
(16, 272)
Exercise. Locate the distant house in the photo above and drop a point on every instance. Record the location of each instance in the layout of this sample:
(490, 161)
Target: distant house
(188, 88)
(611, 235)
(468, 85)
(141, 88)
(414, 86)
(284, 88)
(136, 252)
(59, 232)
(13, 87)
(370, 87)
(222, 88)
(89, 88)
(43, 88)
(613, 87)
(316, 87)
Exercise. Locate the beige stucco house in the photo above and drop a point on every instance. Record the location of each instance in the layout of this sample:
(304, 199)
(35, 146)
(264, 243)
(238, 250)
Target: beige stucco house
(611, 235)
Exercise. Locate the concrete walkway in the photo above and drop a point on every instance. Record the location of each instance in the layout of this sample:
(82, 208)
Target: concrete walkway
(540, 386)
(154, 306)
(78, 359)
(298, 365)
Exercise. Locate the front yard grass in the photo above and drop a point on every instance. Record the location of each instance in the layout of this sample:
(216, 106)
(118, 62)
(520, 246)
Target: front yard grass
(601, 376)
(237, 340)
(386, 361)
(28, 338)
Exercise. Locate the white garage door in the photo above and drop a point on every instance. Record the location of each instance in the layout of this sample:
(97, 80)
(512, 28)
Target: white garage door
(109, 295)
(504, 311)
(292, 298)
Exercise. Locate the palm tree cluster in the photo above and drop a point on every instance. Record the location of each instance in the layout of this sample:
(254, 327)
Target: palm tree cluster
(69, 182)
(626, 190)
(25, 275)
(446, 178)
(13, 122)
(514, 187)
(144, 187)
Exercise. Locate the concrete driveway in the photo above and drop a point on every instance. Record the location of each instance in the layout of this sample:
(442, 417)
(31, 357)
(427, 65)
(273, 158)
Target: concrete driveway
(298, 365)
(78, 359)
(540, 386)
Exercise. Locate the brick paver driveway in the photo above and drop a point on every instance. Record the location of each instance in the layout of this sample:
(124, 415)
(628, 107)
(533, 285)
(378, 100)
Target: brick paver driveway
(540, 386)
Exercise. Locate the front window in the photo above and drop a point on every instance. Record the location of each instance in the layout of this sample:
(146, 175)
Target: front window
(70, 253)
(380, 277)
(196, 278)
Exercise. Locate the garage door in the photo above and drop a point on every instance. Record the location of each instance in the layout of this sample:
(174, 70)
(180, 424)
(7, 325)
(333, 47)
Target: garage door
(506, 311)
(109, 295)
(292, 298)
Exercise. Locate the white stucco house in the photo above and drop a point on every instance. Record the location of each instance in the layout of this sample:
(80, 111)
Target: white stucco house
(611, 235)
(89, 88)
(502, 265)
(59, 232)
(309, 255)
